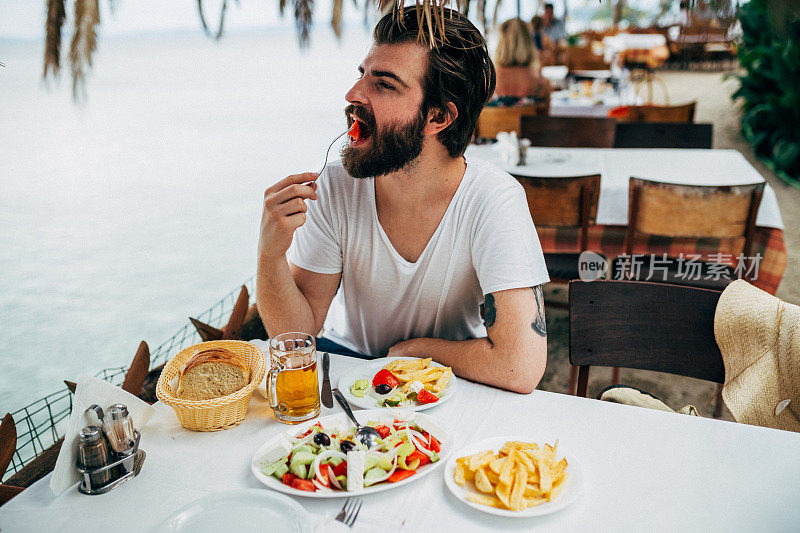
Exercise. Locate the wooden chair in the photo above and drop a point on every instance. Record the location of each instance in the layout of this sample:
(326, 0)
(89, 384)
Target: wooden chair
(653, 113)
(645, 326)
(8, 445)
(564, 203)
(571, 132)
(583, 58)
(663, 135)
(688, 211)
(493, 120)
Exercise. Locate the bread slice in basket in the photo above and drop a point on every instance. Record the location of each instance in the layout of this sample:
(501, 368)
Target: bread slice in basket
(212, 373)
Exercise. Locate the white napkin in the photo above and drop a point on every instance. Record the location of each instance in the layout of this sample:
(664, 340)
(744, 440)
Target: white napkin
(91, 391)
(508, 146)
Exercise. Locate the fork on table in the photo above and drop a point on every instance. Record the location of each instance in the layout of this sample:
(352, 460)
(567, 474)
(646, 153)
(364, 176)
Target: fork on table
(349, 512)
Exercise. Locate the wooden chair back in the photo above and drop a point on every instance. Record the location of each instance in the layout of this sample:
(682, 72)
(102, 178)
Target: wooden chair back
(8, 445)
(563, 202)
(692, 211)
(493, 120)
(663, 135)
(645, 326)
(570, 132)
(583, 58)
(656, 113)
(8, 442)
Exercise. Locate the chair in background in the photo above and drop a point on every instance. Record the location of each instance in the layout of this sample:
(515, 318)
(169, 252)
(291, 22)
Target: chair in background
(563, 203)
(727, 213)
(584, 58)
(568, 132)
(645, 326)
(655, 113)
(493, 120)
(663, 135)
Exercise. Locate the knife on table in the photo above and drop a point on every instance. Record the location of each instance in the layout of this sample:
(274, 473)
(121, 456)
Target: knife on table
(326, 396)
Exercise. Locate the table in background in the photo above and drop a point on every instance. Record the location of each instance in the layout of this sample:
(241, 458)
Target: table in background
(644, 469)
(686, 166)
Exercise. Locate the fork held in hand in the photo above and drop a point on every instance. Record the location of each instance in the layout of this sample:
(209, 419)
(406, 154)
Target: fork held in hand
(349, 512)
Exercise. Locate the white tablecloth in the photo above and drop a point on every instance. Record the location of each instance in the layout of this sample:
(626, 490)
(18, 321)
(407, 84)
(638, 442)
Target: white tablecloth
(646, 471)
(614, 44)
(617, 165)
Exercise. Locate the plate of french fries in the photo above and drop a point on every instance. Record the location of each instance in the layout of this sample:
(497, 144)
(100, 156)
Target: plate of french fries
(403, 382)
(514, 476)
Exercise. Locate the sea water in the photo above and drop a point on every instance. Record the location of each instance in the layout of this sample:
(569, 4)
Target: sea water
(121, 217)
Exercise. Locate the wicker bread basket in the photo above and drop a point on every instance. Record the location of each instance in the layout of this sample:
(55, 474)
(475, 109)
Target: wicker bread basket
(219, 413)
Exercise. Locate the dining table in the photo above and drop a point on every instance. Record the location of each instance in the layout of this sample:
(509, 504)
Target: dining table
(683, 166)
(641, 470)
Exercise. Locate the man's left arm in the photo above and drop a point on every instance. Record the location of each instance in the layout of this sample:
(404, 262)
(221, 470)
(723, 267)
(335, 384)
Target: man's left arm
(512, 356)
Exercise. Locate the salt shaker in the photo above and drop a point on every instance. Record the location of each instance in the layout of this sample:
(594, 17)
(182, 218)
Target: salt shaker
(93, 454)
(121, 434)
(118, 426)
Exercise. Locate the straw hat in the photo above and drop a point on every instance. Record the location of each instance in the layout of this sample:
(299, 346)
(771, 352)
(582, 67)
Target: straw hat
(759, 337)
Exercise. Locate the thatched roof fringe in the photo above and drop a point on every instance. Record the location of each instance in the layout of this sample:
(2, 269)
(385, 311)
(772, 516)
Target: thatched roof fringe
(84, 43)
(56, 13)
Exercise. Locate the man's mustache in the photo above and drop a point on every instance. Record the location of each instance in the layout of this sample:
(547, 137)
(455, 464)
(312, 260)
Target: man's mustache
(362, 114)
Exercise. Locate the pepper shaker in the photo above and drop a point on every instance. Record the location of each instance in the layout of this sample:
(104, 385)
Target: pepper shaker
(92, 454)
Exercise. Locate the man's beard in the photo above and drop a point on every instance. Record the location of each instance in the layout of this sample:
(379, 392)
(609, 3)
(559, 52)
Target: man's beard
(392, 148)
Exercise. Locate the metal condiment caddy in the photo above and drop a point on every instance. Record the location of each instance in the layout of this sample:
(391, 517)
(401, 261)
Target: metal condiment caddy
(112, 448)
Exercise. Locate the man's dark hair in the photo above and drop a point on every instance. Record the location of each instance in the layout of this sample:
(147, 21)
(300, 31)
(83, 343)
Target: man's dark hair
(459, 70)
(548, 6)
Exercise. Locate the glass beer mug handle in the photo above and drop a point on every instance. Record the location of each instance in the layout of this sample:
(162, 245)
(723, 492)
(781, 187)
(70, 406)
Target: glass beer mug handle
(272, 385)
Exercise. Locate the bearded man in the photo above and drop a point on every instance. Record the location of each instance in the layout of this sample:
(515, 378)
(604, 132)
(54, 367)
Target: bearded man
(405, 239)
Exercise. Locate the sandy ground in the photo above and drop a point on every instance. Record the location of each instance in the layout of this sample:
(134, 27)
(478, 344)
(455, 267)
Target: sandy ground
(712, 93)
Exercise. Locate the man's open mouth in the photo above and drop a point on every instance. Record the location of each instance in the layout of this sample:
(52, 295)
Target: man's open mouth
(359, 130)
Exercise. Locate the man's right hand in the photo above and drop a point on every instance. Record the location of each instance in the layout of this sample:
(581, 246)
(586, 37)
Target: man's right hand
(284, 212)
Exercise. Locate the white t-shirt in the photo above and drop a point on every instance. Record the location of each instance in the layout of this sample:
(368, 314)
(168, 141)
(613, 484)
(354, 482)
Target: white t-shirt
(485, 243)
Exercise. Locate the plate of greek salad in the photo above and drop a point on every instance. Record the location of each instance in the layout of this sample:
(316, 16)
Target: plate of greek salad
(322, 459)
(403, 382)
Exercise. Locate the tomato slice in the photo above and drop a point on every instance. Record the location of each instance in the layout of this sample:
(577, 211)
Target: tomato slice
(383, 430)
(423, 396)
(385, 377)
(399, 475)
(288, 478)
(340, 469)
(423, 459)
(304, 484)
(355, 131)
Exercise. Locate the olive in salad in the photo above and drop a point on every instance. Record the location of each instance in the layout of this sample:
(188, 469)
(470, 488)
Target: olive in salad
(320, 459)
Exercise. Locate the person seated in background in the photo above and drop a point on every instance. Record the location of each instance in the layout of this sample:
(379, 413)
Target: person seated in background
(536, 31)
(517, 66)
(553, 28)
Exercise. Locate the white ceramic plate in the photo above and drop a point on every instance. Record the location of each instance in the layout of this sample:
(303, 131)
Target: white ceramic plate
(243, 511)
(369, 369)
(573, 486)
(340, 420)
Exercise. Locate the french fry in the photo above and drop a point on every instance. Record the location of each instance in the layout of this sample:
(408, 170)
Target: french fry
(459, 476)
(482, 482)
(443, 380)
(518, 489)
(480, 459)
(506, 473)
(485, 499)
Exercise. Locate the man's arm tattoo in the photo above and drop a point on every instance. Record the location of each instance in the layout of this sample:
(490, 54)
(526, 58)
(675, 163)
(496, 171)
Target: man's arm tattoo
(539, 325)
(490, 310)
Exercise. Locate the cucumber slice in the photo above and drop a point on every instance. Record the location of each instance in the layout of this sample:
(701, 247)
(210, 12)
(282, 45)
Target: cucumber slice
(299, 470)
(270, 469)
(280, 471)
(374, 475)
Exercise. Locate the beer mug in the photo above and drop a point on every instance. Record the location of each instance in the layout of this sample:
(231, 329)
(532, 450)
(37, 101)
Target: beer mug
(292, 386)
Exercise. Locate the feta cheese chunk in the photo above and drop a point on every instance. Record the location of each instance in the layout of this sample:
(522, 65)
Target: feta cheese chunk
(355, 470)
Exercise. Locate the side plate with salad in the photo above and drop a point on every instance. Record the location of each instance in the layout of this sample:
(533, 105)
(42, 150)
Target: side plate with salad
(321, 459)
(374, 384)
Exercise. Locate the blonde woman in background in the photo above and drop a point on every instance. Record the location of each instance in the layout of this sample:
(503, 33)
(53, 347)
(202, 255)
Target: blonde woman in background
(517, 66)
